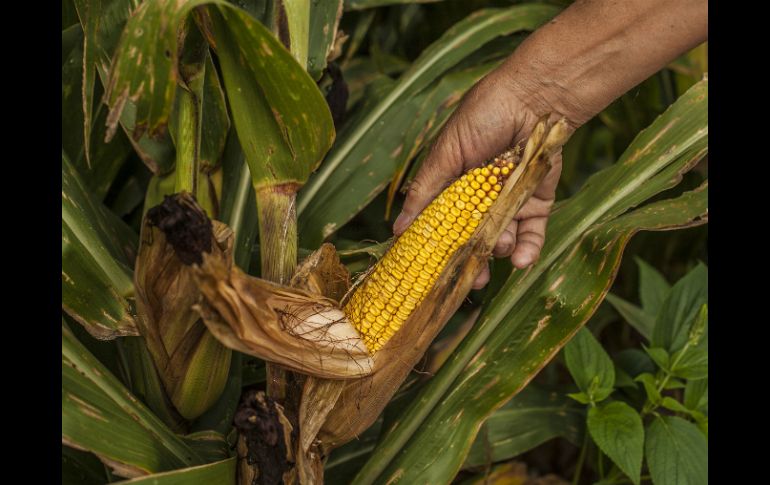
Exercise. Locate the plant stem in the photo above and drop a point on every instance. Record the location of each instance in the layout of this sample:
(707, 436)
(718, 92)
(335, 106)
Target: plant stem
(581, 459)
(277, 211)
(649, 406)
(298, 18)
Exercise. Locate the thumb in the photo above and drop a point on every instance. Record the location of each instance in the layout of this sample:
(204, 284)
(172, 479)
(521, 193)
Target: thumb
(439, 169)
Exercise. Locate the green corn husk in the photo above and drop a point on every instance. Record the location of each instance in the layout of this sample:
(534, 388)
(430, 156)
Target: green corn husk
(192, 364)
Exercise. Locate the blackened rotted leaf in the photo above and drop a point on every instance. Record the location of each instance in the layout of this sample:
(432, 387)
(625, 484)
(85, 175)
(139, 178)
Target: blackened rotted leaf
(258, 421)
(186, 226)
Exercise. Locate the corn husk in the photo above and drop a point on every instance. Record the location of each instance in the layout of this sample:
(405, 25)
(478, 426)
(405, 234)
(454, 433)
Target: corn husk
(192, 364)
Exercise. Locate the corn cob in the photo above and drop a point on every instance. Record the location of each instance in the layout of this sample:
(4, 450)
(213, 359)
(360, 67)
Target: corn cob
(405, 275)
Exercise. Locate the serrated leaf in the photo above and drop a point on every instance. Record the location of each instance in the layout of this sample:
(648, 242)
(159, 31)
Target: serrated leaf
(653, 288)
(679, 310)
(677, 452)
(618, 431)
(589, 364)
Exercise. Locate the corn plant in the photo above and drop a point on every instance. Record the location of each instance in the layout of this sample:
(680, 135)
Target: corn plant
(211, 152)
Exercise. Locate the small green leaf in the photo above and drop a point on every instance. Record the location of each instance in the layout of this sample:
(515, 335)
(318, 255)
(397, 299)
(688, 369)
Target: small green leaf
(618, 431)
(673, 384)
(589, 364)
(650, 386)
(659, 356)
(580, 397)
(679, 310)
(673, 405)
(653, 288)
(677, 452)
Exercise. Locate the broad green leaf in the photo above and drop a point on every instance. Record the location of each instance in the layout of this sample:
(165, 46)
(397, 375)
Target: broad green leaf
(96, 276)
(324, 20)
(218, 472)
(215, 124)
(680, 309)
(531, 418)
(659, 356)
(589, 364)
(96, 408)
(283, 122)
(693, 364)
(653, 288)
(642, 321)
(617, 429)
(537, 311)
(677, 452)
(696, 395)
(459, 41)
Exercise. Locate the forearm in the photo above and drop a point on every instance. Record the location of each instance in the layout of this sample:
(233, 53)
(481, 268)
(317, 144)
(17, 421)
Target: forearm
(596, 50)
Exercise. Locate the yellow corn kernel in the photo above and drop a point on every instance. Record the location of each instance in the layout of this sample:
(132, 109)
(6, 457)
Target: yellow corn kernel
(406, 274)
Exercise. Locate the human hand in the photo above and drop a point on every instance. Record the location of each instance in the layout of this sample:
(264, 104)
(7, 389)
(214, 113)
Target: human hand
(491, 118)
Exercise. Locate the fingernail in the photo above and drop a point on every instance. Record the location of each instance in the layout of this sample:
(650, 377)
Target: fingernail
(402, 222)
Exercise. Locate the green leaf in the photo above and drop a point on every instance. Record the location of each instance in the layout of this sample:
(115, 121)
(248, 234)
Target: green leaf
(635, 316)
(100, 43)
(650, 386)
(659, 356)
(218, 472)
(589, 364)
(282, 120)
(677, 452)
(680, 309)
(96, 276)
(324, 20)
(653, 288)
(580, 397)
(353, 150)
(531, 418)
(96, 408)
(537, 310)
(81, 468)
(634, 362)
(696, 395)
(691, 364)
(673, 405)
(617, 429)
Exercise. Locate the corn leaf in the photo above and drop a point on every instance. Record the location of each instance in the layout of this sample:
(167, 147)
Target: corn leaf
(103, 23)
(537, 311)
(370, 150)
(96, 274)
(531, 418)
(96, 407)
(283, 122)
(217, 472)
(324, 20)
